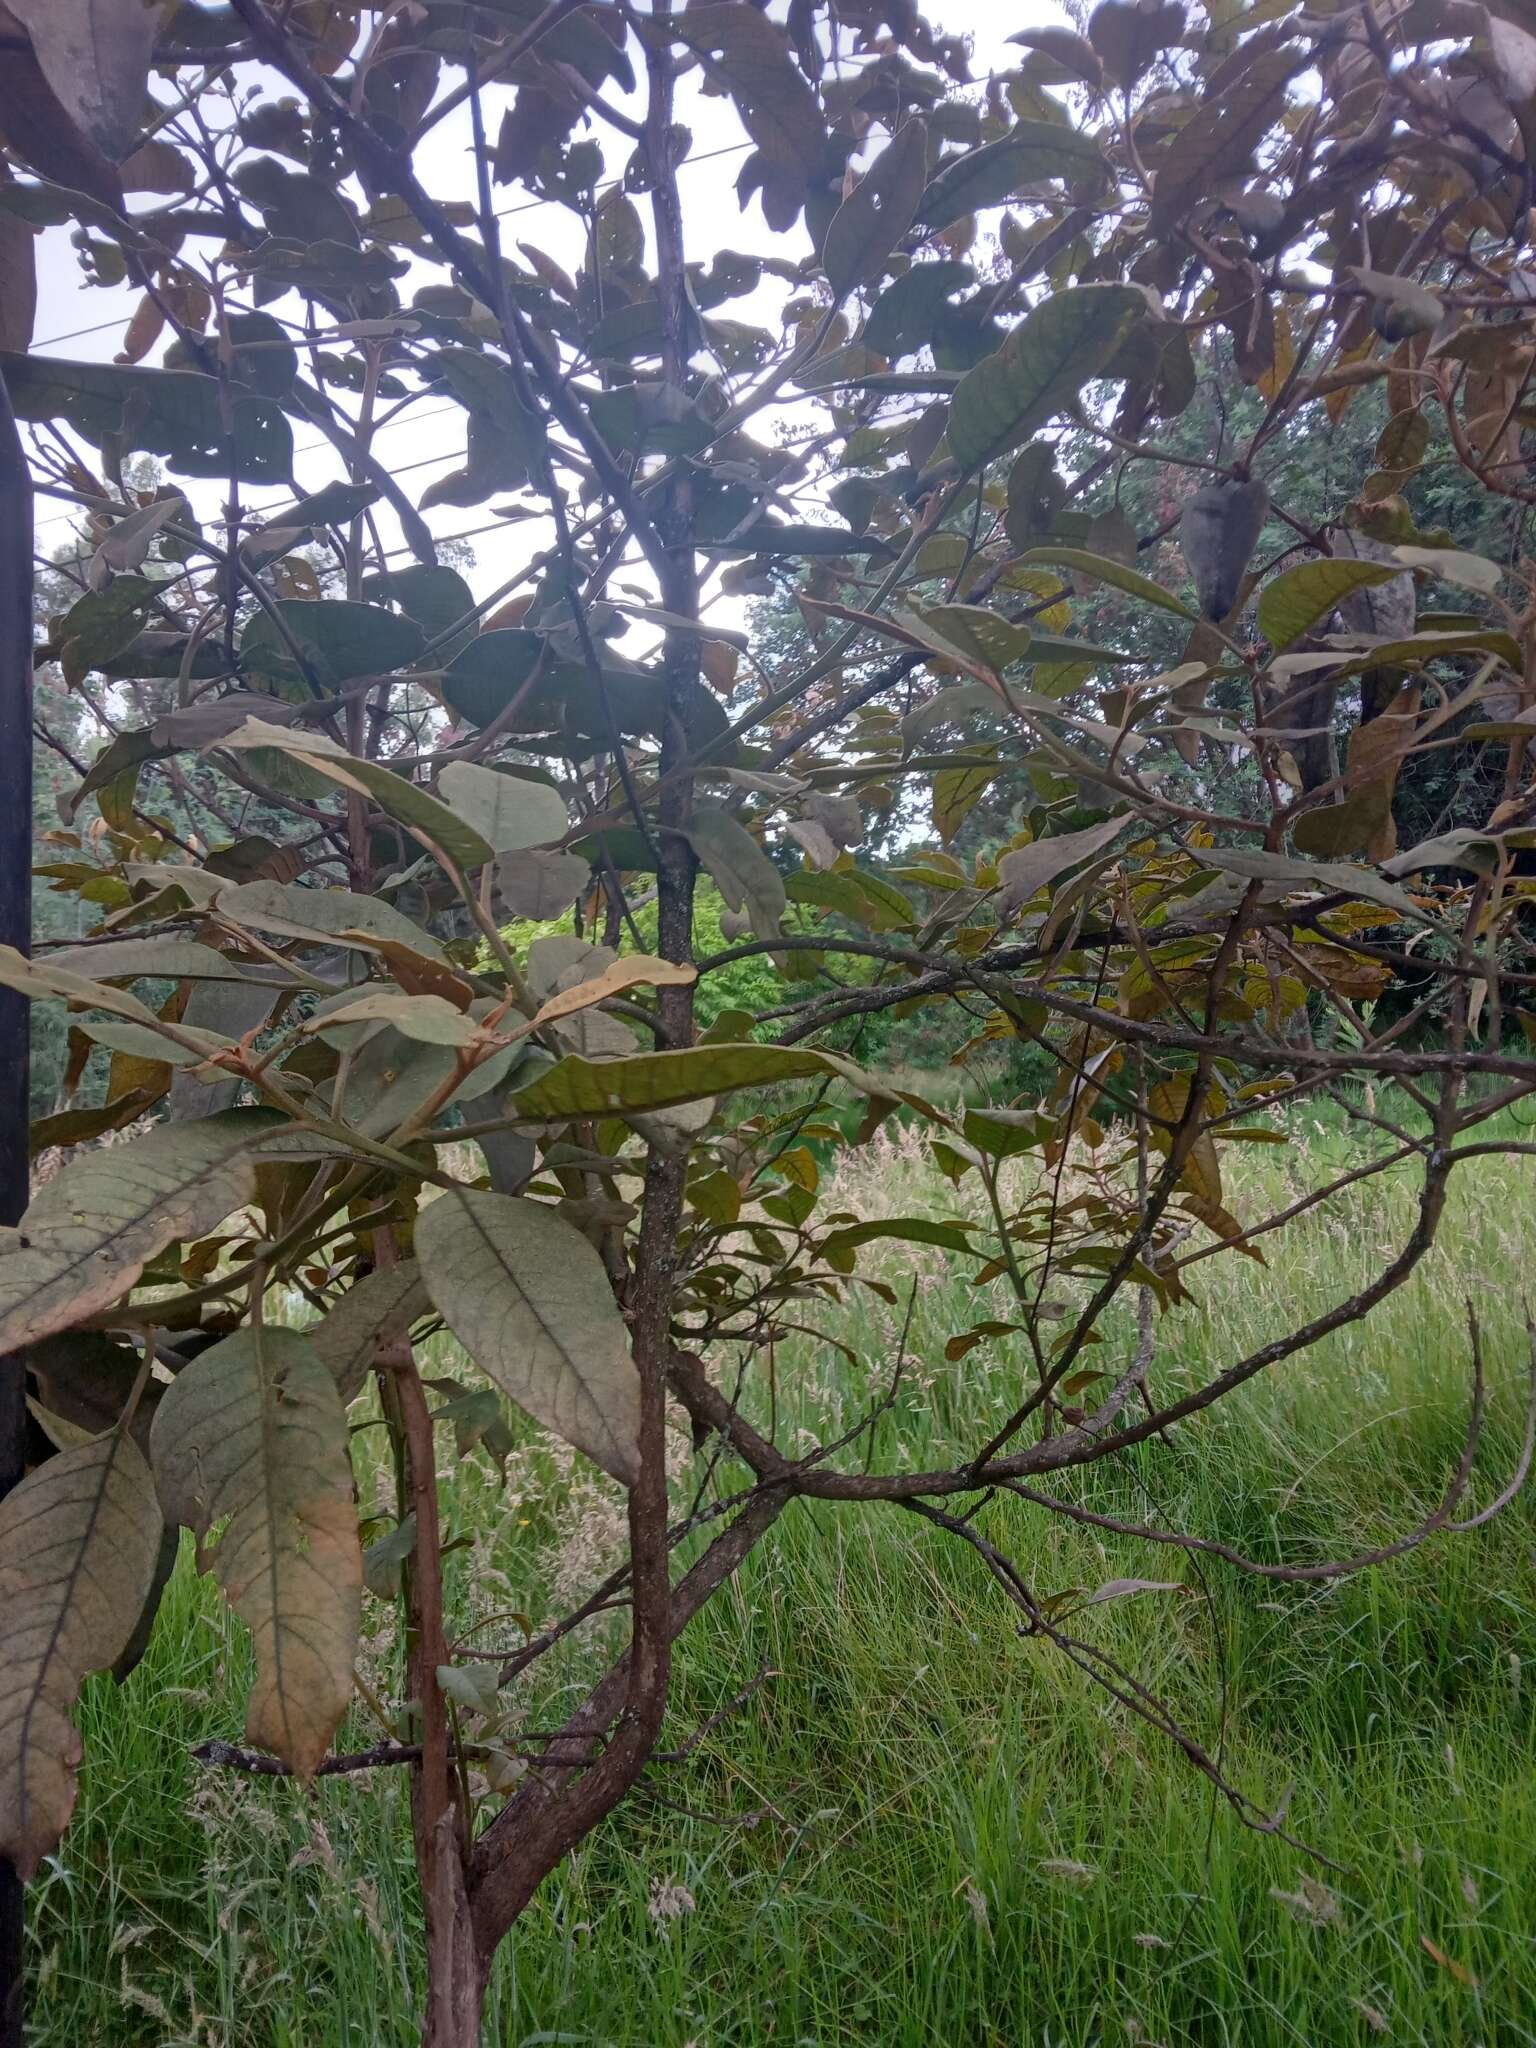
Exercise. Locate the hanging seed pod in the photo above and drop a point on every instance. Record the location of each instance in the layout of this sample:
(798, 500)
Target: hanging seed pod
(1218, 534)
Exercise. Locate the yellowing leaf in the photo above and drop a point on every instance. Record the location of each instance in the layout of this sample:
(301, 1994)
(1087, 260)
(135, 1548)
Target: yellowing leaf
(253, 1434)
(632, 971)
(1102, 570)
(1296, 599)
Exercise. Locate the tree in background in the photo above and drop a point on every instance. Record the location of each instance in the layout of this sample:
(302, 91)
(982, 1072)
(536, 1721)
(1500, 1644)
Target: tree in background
(1251, 219)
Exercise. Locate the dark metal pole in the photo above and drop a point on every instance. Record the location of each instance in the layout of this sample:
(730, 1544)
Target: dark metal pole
(15, 930)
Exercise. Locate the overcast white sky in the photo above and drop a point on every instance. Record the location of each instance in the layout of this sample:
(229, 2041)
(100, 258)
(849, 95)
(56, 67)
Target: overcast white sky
(427, 441)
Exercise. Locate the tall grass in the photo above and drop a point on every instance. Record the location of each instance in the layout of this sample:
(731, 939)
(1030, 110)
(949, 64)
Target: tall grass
(925, 1829)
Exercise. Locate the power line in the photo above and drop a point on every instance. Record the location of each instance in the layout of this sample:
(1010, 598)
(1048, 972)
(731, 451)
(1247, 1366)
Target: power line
(504, 213)
(405, 419)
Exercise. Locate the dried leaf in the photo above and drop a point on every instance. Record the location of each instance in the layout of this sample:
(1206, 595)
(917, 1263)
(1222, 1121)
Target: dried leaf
(253, 1434)
(79, 1538)
(89, 1233)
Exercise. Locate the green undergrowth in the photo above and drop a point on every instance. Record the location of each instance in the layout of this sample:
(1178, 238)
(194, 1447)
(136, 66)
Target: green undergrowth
(924, 1828)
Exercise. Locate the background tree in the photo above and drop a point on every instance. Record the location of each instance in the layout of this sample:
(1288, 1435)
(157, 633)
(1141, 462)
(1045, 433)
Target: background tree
(1233, 220)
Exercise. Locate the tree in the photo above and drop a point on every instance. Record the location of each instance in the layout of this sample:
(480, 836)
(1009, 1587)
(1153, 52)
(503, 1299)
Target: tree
(919, 457)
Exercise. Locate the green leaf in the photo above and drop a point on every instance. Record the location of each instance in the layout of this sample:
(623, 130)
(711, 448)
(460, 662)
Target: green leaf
(172, 413)
(1350, 826)
(956, 792)
(877, 212)
(982, 642)
(42, 981)
(121, 758)
(482, 680)
(541, 886)
(487, 387)
(325, 917)
(435, 598)
(430, 1019)
(1332, 876)
(743, 873)
(253, 1434)
(340, 640)
(751, 56)
(846, 890)
(1102, 570)
(404, 801)
(663, 1080)
(172, 959)
(1293, 602)
(1029, 868)
(89, 1233)
(904, 316)
(79, 1539)
(508, 812)
(1454, 565)
(139, 1042)
(102, 623)
(96, 62)
(1057, 348)
(1219, 138)
(528, 1297)
(1029, 152)
(953, 1237)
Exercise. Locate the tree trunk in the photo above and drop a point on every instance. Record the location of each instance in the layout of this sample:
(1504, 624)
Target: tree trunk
(456, 1979)
(15, 930)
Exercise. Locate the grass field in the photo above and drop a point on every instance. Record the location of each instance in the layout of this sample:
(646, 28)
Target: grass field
(959, 1843)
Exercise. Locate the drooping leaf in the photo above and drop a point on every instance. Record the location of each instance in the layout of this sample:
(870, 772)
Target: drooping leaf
(1029, 152)
(175, 414)
(78, 1542)
(1333, 876)
(751, 56)
(507, 811)
(952, 1237)
(95, 56)
(407, 802)
(663, 1080)
(1219, 138)
(528, 1297)
(1030, 868)
(878, 211)
(89, 1233)
(1102, 570)
(252, 1434)
(328, 917)
(743, 873)
(1057, 348)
